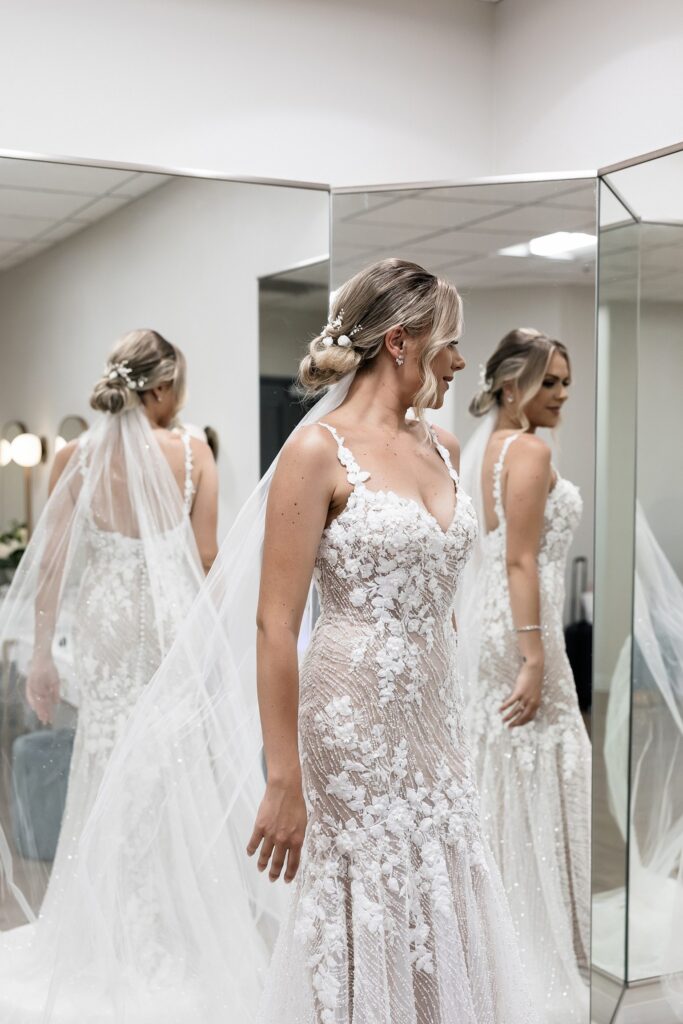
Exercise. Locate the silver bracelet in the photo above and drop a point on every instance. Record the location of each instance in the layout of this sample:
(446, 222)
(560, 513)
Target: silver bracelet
(529, 629)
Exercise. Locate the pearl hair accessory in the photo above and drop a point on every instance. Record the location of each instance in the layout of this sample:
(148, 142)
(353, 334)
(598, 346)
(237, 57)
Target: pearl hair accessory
(485, 383)
(124, 371)
(344, 340)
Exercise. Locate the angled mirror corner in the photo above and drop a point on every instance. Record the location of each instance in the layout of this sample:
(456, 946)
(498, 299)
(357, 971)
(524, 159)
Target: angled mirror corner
(639, 640)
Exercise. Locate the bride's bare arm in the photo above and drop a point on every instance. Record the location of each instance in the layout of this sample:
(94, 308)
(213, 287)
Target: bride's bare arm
(298, 506)
(204, 515)
(526, 492)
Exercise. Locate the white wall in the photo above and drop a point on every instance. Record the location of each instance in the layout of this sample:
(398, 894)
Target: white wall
(360, 91)
(185, 259)
(585, 83)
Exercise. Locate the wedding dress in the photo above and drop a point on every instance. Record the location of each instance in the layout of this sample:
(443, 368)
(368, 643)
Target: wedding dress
(398, 915)
(535, 780)
(129, 574)
(171, 923)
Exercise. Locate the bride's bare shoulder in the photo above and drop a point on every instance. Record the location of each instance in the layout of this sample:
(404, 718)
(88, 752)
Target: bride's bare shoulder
(310, 448)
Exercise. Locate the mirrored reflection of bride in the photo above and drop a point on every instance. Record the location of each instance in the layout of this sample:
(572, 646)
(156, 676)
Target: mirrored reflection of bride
(117, 558)
(532, 752)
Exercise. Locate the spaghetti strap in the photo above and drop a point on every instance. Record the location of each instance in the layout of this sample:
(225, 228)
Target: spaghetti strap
(354, 474)
(188, 486)
(498, 476)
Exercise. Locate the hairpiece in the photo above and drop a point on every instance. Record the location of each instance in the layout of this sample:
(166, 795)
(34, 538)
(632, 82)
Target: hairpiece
(344, 340)
(124, 371)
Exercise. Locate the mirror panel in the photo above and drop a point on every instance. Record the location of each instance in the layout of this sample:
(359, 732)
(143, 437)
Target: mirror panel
(639, 761)
(87, 254)
(507, 248)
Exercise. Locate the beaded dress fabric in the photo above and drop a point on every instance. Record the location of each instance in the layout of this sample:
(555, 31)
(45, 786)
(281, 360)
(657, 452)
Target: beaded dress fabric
(119, 640)
(535, 780)
(127, 571)
(398, 915)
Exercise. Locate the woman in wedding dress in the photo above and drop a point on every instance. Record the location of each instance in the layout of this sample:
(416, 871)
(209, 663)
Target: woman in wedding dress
(532, 753)
(398, 915)
(126, 537)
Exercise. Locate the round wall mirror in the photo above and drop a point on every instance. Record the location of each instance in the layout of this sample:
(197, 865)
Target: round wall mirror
(69, 429)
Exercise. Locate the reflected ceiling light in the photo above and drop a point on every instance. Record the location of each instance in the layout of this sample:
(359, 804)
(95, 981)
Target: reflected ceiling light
(5, 452)
(27, 450)
(559, 245)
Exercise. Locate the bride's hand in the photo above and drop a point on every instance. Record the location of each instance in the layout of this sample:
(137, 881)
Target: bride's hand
(42, 688)
(525, 699)
(279, 829)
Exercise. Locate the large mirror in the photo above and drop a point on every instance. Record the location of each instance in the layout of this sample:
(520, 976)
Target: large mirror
(523, 255)
(88, 253)
(638, 809)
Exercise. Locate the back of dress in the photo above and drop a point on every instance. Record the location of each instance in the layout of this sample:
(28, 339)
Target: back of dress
(535, 779)
(97, 600)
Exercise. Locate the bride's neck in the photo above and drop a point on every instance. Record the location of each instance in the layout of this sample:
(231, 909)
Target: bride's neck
(374, 402)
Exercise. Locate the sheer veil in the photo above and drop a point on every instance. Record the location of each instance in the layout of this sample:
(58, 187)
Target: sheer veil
(648, 681)
(163, 918)
(469, 597)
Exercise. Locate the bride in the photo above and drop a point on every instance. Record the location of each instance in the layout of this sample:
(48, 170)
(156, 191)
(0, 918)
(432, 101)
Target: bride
(533, 761)
(397, 912)
(127, 534)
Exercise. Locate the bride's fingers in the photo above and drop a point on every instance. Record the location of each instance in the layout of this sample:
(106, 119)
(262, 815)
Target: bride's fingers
(255, 841)
(277, 862)
(293, 858)
(512, 699)
(264, 856)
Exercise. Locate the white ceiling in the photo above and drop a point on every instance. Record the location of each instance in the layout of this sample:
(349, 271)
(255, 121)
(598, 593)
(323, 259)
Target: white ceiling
(42, 203)
(457, 231)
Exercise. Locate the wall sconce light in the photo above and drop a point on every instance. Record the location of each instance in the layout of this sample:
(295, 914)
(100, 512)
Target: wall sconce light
(28, 450)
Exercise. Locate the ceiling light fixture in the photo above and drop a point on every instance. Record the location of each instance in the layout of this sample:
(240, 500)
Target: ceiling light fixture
(559, 245)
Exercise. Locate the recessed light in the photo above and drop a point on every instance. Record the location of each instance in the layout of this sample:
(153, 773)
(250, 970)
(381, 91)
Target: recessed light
(559, 245)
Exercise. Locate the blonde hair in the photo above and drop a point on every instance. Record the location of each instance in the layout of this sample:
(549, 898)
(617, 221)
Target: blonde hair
(139, 361)
(523, 357)
(388, 294)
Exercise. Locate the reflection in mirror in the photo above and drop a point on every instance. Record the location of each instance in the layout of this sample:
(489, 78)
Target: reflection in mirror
(111, 266)
(292, 307)
(522, 255)
(69, 429)
(637, 919)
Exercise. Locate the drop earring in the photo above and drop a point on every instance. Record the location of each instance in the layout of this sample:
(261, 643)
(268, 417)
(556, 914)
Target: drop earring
(510, 398)
(399, 360)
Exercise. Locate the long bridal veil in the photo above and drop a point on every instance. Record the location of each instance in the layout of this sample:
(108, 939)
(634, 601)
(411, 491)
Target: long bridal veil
(647, 802)
(162, 917)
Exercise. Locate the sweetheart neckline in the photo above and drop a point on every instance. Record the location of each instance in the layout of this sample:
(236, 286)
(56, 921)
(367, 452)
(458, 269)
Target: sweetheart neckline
(406, 500)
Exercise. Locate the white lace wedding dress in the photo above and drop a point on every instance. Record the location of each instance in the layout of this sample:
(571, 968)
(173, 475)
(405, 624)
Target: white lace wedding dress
(398, 915)
(125, 619)
(535, 780)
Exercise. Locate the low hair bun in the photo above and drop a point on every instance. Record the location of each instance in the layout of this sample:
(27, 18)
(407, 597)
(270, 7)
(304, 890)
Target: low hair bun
(326, 364)
(482, 403)
(110, 396)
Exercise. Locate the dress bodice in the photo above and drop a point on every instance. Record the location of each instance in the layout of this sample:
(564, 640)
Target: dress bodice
(387, 566)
